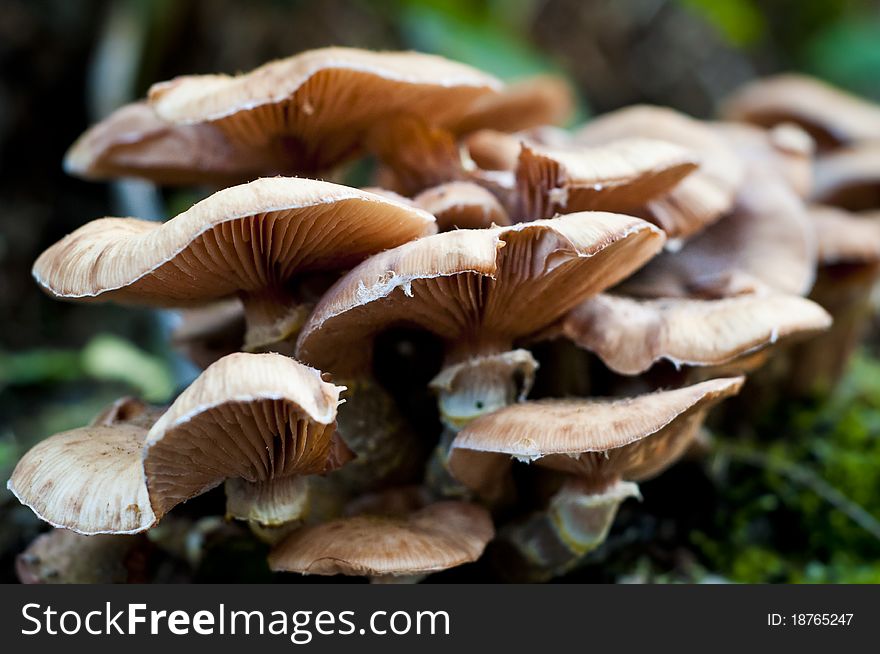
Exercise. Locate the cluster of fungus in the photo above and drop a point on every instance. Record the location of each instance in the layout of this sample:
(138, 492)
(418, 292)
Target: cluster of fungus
(495, 254)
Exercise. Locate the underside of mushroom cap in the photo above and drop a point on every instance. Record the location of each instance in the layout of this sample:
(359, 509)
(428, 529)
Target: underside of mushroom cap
(601, 441)
(437, 537)
(699, 199)
(832, 116)
(631, 335)
(251, 416)
(476, 287)
(317, 106)
(620, 176)
(240, 239)
(134, 142)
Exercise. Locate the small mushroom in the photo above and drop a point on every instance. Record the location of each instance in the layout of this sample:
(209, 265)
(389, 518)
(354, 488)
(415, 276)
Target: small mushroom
(208, 333)
(462, 205)
(630, 335)
(603, 446)
(257, 417)
(248, 240)
(621, 176)
(831, 116)
(699, 199)
(849, 177)
(438, 537)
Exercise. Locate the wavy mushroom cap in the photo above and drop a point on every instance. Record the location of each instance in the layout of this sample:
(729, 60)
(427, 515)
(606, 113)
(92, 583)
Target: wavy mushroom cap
(437, 537)
(849, 177)
(832, 116)
(601, 441)
(244, 238)
(527, 103)
(621, 176)
(462, 205)
(768, 243)
(631, 335)
(491, 285)
(251, 416)
(703, 196)
(134, 142)
(317, 107)
(846, 238)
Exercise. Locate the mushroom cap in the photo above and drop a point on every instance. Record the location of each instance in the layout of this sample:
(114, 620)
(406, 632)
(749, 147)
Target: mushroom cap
(248, 415)
(846, 238)
(243, 238)
(703, 196)
(631, 335)
(209, 332)
(317, 106)
(500, 284)
(462, 205)
(134, 142)
(623, 175)
(526, 103)
(768, 243)
(602, 441)
(832, 116)
(437, 537)
(849, 177)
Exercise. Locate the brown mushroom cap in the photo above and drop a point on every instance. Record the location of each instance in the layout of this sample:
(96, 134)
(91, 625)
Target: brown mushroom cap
(631, 335)
(832, 116)
(462, 205)
(317, 106)
(702, 197)
(601, 441)
(251, 416)
(539, 100)
(620, 176)
(480, 290)
(134, 142)
(247, 240)
(768, 243)
(849, 177)
(210, 332)
(846, 238)
(437, 537)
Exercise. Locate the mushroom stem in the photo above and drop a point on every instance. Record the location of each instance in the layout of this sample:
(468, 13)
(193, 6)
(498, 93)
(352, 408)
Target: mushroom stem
(372, 426)
(482, 384)
(273, 317)
(551, 542)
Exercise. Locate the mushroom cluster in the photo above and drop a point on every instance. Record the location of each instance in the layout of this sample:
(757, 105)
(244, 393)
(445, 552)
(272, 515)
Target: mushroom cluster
(369, 354)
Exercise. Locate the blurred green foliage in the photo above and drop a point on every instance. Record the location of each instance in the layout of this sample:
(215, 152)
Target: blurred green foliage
(801, 503)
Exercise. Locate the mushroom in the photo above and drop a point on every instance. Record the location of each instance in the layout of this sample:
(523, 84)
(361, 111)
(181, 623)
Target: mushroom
(317, 107)
(256, 417)
(601, 445)
(622, 176)
(134, 142)
(437, 537)
(539, 100)
(699, 199)
(462, 205)
(479, 290)
(630, 335)
(208, 333)
(831, 116)
(849, 177)
(60, 556)
(849, 257)
(767, 244)
(249, 240)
